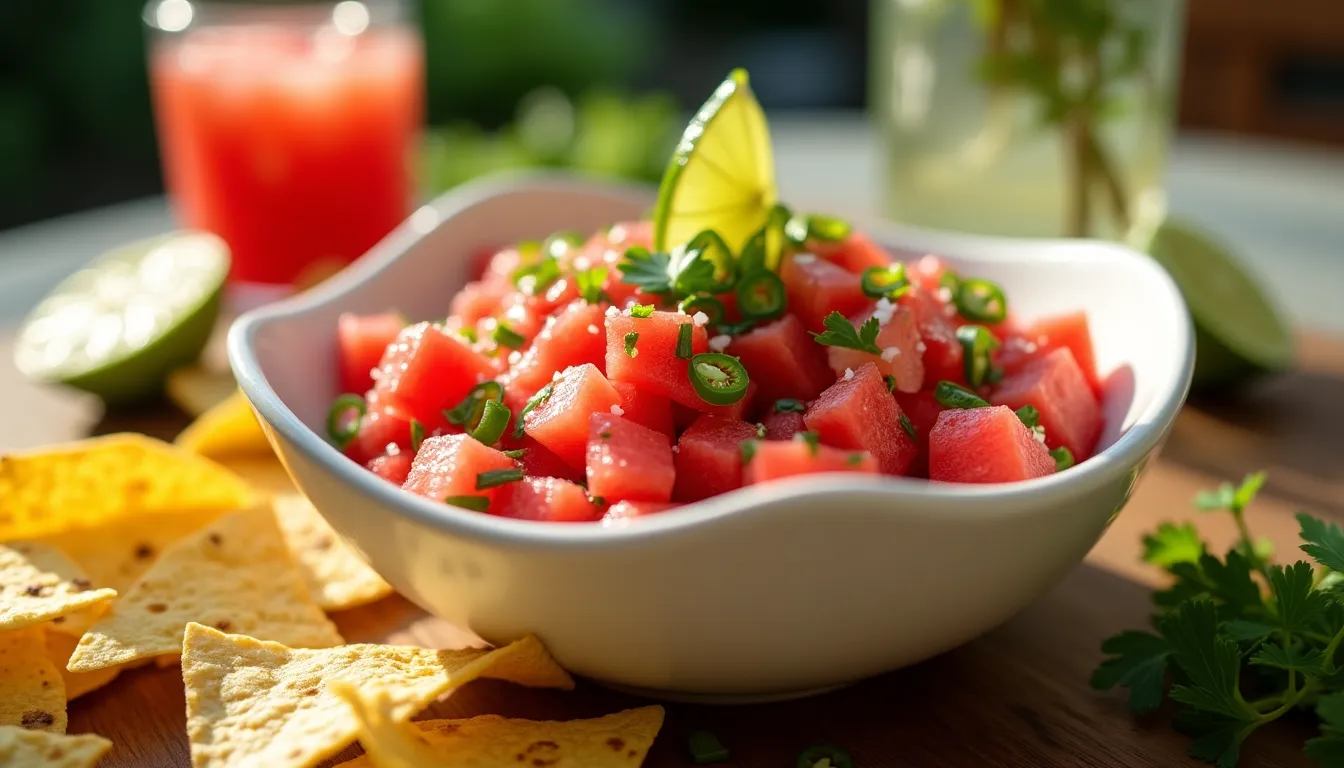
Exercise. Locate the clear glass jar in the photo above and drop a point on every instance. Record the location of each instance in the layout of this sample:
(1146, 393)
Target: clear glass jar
(1026, 117)
(288, 129)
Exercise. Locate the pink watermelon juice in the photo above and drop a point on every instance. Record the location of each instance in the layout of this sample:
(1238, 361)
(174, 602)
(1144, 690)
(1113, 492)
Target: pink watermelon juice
(572, 382)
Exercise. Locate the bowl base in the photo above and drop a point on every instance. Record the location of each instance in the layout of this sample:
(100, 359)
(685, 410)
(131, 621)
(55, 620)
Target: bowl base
(720, 699)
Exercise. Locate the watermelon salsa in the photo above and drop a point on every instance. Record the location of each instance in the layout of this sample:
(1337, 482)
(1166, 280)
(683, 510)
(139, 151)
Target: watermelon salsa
(595, 379)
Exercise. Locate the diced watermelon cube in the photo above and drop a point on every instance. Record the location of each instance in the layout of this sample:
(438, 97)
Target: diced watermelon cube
(501, 265)
(1047, 334)
(548, 499)
(646, 408)
(898, 338)
(519, 313)
(783, 359)
(539, 461)
(627, 461)
(783, 426)
(985, 445)
(392, 467)
(1069, 411)
(561, 422)
(922, 409)
(623, 510)
(479, 300)
(859, 414)
(655, 366)
(774, 459)
(709, 457)
(816, 288)
(608, 248)
(684, 417)
(427, 370)
(575, 335)
(448, 466)
(942, 355)
(361, 341)
(855, 253)
(384, 426)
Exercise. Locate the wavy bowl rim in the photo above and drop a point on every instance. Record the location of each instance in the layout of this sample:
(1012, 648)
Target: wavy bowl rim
(1143, 436)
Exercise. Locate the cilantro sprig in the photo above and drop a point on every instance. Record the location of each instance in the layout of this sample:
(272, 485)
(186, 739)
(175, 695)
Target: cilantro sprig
(842, 333)
(1238, 642)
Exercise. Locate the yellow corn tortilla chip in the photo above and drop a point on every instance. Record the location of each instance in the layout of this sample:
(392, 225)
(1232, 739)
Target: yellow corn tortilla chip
(39, 583)
(336, 576)
(234, 574)
(253, 703)
(20, 748)
(86, 483)
(196, 389)
(59, 646)
(32, 695)
(621, 740)
(229, 428)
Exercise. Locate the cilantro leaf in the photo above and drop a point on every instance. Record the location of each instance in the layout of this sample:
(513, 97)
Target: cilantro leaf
(1214, 501)
(1211, 660)
(691, 271)
(1172, 544)
(1245, 493)
(1324, 541)
(1308, 661)
(1328, 748)
(842, 333)
(1138, 662)
(645, 269)
(1217, 739)
(1232, 498)
(1231, 580)
(534, 279)
(1296, 604)
(590, 282)
(1243, 631)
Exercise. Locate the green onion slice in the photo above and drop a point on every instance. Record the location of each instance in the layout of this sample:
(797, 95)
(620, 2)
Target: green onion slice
(718, 379)
(417, 435)
(890, 381)
(641, 310)
(474, 503)
(515, 454)
(1063, 458)
(532, 404)
(981, 301)
(890, 282)
(908, 426)
(684, 348)
(534, 279)
(497, 477)
(977, 342)
(812, 439)
(712, 307)
(706, 748)
(468, 333)
(827, 229)
(340, 428)
(1029, 415)
(760, 295)
(630, 339)
(467, 414)
(824, 756)
(494, 422)
(505, 336)
(950, 395)
(789, 405)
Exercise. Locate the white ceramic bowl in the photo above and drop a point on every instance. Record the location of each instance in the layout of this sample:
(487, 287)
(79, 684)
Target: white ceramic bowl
(765, 592)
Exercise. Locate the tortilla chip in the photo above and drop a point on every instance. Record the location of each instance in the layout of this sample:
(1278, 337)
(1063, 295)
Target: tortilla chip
(228, 429)
(38, 583)
(118, 552)
(20, 748)
(336, 576)
(32, 695)
(616, 741)
(234, 574)
(252, 703)
(59, 646)
(86, 483)
(196, 389)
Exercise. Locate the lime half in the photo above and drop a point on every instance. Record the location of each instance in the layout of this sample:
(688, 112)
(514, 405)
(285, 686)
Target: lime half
(722, 174)
(117, 327)
(1238, 331)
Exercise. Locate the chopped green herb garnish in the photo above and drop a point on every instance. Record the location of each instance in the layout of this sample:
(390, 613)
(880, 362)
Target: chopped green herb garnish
(760, 430)
(824, 756)
(468, 333)
(590, 283)
(812, 439)
(789, 405)
(842, 333)
(706, 748)
(536, 400)
(705, 265)
(684, 346)
(505, 336)
(597, 501)
(748, 448)
(977, 343)
(630, 339)
(645, 269)
(605, 435)
(474, 503)
(950, 395)
(417, 435)
(515, 454)
(340, 427)
(1029, 416)
(467, 414)
(1063, 458)
(854, 459)
(641, 310)
(890, 381)
(908, 426)
(494, 422)
(497, 477)
(534, 279)
(561, 244)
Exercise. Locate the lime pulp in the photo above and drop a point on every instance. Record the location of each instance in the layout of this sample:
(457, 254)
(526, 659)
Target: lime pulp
(118, 327)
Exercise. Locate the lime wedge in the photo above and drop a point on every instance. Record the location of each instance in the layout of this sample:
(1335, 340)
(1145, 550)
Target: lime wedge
(118, 327)
(722, 174)
(1238, 331)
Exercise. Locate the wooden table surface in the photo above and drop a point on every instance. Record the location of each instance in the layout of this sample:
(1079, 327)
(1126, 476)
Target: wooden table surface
(1016, 697)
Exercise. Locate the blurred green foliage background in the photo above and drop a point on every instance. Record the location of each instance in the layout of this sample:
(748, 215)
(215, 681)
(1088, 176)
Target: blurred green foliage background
(593, 83)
